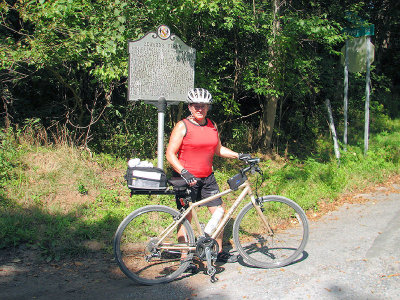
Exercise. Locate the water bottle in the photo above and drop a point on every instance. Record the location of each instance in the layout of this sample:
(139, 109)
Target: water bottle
(213, 223)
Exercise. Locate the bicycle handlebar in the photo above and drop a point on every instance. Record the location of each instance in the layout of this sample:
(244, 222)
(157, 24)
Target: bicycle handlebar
(253, 162)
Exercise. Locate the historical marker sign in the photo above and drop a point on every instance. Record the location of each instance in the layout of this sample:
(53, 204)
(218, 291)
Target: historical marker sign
(160, 65)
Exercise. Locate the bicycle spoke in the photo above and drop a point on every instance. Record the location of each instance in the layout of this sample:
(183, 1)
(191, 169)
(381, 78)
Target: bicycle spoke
(140, 253)
(275, 247)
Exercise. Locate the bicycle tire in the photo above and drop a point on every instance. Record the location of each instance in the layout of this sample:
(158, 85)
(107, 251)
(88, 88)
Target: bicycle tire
(135, 251)
(283, 245)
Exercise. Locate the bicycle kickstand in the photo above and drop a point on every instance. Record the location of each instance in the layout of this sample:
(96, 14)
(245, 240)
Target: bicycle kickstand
(211, 270)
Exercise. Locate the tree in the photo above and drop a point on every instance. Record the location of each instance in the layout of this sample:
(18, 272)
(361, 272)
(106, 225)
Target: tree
(270, 104)
(269, 64)
(78, 46)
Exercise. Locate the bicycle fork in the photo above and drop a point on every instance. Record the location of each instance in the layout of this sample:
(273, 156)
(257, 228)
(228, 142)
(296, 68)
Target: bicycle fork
(259, 210)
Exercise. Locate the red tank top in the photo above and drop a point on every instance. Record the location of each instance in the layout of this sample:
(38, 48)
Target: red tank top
(198, 147)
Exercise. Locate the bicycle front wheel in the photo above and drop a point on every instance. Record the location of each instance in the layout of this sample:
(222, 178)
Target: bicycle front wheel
(274, 240)
(141, 255)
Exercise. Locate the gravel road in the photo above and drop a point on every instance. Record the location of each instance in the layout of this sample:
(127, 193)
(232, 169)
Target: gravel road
(352, 253)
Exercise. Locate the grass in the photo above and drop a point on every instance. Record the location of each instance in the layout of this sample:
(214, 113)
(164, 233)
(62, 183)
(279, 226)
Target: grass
(57, 198)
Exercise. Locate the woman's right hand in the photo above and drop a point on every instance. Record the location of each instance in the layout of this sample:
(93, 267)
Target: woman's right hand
(189, 178)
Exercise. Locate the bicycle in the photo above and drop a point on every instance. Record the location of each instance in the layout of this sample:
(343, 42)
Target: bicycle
(146, 243)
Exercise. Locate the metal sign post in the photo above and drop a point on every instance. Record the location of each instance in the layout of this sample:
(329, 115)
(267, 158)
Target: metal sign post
(162, 107)
(358, 55)
(367, 92)
(161, 72)
(346, 90)
(332, 127)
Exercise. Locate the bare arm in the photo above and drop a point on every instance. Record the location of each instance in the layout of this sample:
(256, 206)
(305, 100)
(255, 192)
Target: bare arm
(225, 152)
(174, 144)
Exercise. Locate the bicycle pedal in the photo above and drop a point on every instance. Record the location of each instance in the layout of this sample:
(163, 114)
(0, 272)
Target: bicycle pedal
(213, 279)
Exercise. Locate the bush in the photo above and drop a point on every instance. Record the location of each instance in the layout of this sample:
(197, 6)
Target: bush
(8, 156)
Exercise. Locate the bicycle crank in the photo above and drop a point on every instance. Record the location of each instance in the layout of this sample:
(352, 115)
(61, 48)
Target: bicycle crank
(203, 243)
(211, 270)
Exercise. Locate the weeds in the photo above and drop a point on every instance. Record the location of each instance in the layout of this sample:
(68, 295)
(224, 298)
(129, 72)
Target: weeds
(82, 189)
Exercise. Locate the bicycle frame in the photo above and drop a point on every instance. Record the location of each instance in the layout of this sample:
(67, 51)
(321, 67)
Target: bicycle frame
(192, 208)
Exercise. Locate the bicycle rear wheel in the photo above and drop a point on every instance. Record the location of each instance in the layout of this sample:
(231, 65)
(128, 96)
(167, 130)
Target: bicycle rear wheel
(278, 245)
(137, 252)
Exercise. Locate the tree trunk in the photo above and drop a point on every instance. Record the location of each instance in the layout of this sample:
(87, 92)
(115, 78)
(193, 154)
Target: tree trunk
(267, 121)
(270, 104)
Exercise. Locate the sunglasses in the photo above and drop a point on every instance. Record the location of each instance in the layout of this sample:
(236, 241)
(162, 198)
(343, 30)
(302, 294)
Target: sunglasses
(199, 106)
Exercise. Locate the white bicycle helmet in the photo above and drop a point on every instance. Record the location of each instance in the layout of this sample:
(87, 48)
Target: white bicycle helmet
(199, 95)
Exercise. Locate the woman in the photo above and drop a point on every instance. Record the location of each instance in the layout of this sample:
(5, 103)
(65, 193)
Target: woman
(193, 143)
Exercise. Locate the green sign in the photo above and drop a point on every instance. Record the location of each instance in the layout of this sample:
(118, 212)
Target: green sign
(361, 31)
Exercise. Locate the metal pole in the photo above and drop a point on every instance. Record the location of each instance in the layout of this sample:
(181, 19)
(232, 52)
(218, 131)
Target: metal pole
(367, 92)
(332, 127)
(346, 89)
(162, 108)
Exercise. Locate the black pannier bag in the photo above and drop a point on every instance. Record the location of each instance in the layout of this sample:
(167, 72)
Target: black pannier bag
(146, 179)
(236, 181)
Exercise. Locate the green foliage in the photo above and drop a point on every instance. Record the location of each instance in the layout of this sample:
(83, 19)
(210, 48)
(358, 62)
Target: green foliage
(310, 181)
(8, 157)
(64, 62)
(77, 31)
(128, 131)
(82, 189)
